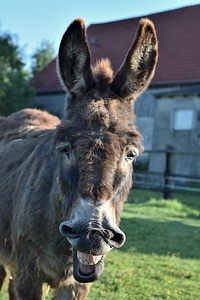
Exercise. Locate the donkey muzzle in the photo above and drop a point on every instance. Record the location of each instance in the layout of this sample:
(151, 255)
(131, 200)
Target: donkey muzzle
(97, 240)
(89, 247)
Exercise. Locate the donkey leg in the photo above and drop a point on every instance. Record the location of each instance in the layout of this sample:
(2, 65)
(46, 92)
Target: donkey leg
(11, 290)
(28, 290)
(27, 284)
(2, 276)
(77, 291)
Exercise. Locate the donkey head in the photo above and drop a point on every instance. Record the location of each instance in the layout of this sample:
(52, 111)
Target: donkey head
(98, 142)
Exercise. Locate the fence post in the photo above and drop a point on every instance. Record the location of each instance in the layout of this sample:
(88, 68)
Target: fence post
(167, 193)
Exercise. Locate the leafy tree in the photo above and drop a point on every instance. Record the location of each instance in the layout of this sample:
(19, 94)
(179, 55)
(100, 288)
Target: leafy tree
(15, 88)
(42, 56)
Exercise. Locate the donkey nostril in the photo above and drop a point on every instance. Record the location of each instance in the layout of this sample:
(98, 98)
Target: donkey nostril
(66, 230)
(117, 240)
(109, 234)
(120, 238)
(114, 238)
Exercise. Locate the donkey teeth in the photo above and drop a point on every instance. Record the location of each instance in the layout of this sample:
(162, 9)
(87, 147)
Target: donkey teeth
(92, 260)
(85, 262)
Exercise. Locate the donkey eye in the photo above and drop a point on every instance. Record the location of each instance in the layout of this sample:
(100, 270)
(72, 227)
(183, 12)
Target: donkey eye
(131, 155)
(64, 149)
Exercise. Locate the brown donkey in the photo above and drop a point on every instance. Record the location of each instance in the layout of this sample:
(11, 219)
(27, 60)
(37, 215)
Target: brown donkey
(62, 191)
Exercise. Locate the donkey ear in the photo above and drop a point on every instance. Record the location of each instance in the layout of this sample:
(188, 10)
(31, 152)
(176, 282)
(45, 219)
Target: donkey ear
(73, 63)
(138, 68)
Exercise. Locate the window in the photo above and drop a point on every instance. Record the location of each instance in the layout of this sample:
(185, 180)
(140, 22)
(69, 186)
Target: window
(183, 119)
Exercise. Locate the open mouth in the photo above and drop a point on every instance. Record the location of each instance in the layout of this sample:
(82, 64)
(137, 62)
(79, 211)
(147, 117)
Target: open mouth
(87, 268)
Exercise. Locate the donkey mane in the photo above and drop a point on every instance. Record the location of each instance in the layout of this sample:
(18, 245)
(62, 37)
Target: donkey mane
(102, 72)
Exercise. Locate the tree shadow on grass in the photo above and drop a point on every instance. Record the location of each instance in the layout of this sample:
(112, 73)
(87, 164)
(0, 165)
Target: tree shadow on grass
(162, 238)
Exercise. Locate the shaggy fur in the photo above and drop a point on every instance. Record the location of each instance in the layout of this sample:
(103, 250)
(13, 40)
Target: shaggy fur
(24, 123)
(75, 176)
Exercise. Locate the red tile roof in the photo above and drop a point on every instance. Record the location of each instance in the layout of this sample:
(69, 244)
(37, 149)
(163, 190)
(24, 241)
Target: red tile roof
(178, 33)
(47, 81)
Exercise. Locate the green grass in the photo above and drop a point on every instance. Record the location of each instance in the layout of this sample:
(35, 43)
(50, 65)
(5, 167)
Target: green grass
(161, 256)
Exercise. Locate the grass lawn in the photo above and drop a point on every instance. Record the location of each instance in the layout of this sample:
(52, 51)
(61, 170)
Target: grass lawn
(161, 256)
